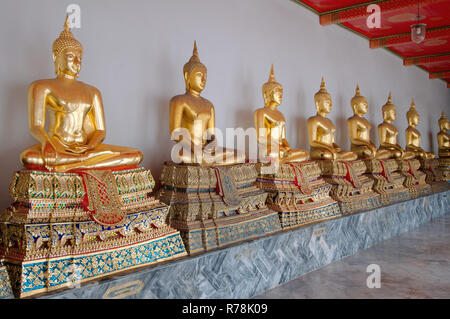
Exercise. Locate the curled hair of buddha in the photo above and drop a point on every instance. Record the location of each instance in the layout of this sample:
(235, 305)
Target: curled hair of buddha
(194, 62)
(322, 92)
(358, 98)
(442, 120)
(388, 106)
(66, 40)
(412, 111)
(271, 84)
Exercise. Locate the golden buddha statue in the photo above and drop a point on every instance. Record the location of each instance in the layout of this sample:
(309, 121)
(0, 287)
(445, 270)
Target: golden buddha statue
(359, 130)
(76, 124)
(444, 137)
(321, 131)
(272, 120)
(195, 114)
(413, 135)
(387, 133)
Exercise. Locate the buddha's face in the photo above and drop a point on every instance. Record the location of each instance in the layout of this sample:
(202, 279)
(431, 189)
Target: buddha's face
(68, 62)
(323, 103)
(361, 107)
(274, 97)
(444, 125)
(196, 80)
(389, 114)
(413, 119)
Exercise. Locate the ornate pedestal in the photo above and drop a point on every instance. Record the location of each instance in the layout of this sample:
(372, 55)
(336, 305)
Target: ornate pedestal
(351, 188)
(388, 182)
(66, 228)
(298, 193)
(444, 167)
(215, 206)
(414, 178)
(434, 175)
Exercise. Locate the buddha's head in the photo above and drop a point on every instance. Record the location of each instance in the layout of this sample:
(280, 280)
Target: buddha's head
(444, 124)
(272, 91)
(359, 103)
(194, 73)
(67, 53)
(412, 115)
(323, 100)
(389, 114)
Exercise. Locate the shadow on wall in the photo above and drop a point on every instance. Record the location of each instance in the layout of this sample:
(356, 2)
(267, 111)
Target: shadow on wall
(302, 133)
(430, 134)
(14, 125)
(342, 137)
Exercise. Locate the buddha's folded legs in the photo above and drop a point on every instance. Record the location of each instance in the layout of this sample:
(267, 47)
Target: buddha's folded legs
(393, 153)
(346, 156)
(320, 154)
(294, 156)
(103, 156)
(383, 154)
(362, 151)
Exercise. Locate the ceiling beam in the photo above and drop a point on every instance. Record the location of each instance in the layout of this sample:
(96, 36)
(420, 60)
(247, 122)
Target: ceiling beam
(427, 59)
(439, 75)
(351, 13)
(405, 38)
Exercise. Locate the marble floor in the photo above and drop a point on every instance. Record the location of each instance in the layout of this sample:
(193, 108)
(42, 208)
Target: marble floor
(415, 265)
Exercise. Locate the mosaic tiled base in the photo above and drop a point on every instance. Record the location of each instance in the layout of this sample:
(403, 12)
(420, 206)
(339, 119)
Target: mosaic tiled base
(444, 167)
(204, 218)
(297, 192)
(351, 187)
(47, 232)
(48, 275)
(5, 284)
(214, 235)
(414, 178)
(388, 182)
(290, 220)
(251, 268)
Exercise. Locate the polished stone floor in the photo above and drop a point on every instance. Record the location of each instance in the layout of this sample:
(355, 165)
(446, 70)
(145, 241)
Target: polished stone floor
(415, 264)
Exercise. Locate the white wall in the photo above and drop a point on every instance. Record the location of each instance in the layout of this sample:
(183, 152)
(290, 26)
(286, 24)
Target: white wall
(134, 52)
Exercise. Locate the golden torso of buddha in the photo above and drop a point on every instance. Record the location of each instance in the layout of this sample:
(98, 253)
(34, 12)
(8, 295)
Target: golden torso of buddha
(192, 122)
(443, 137)
(387, 133)
(72, 111)
(359, 130)
(270, 125)
(413, 135)
(321, 131)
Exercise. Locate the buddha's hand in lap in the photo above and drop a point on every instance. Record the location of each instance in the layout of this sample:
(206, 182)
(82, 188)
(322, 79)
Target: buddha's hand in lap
(79, 149)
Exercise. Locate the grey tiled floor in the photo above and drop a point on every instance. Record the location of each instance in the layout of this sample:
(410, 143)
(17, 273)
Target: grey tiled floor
(415, 264)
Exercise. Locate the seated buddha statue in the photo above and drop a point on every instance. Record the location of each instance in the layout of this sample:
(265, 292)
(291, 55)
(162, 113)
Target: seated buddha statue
(192, 122)
(387, 133)
(271, 125)
(444, 137)
(321, 131)
(413, 135)
(66, 116)
(359, 130)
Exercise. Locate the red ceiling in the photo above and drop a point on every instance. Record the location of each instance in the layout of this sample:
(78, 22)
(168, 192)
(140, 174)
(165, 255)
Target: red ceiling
(397, 16)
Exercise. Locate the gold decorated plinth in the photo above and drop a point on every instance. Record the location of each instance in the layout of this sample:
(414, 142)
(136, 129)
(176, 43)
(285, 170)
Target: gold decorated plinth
(414, 178)
(444, 167)
(388, 181)
(435, 177)
(297, 192)
(49, 239)
(209, 216)
(351, 188)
